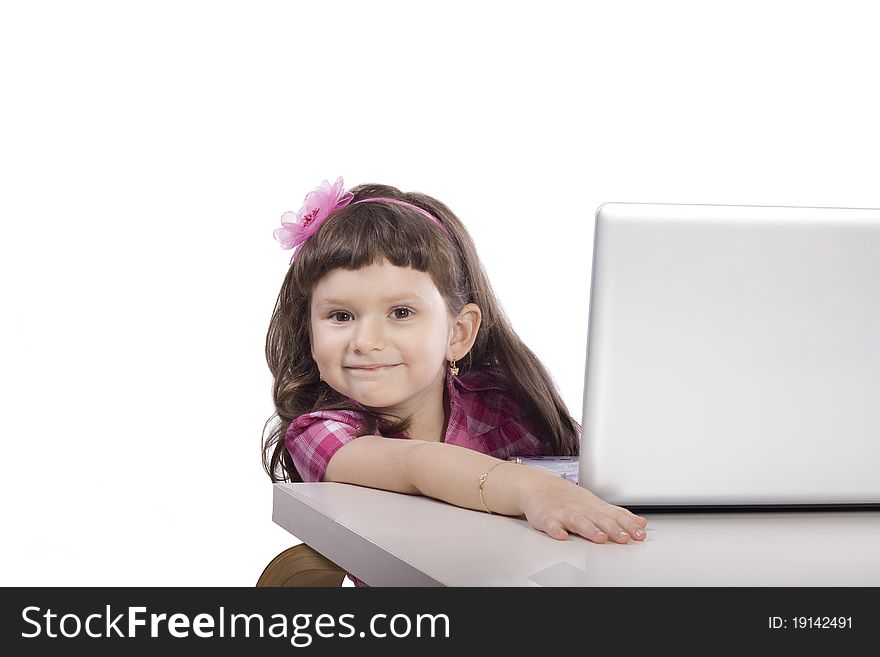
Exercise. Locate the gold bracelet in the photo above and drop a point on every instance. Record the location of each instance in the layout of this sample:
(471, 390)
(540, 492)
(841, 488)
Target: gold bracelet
(485, 476)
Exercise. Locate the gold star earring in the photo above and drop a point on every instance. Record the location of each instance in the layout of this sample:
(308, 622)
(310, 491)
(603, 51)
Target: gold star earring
(452, 367)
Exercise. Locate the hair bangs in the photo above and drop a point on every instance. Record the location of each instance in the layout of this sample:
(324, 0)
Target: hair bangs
(365, 234)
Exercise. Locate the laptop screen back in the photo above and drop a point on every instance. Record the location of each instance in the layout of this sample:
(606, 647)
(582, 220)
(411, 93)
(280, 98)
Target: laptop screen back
(733, 356)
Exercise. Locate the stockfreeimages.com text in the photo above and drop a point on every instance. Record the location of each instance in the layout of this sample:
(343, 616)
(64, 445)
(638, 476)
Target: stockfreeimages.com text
(299, 628)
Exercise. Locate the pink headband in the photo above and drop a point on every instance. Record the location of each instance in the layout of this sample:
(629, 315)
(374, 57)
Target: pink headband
(320, 203)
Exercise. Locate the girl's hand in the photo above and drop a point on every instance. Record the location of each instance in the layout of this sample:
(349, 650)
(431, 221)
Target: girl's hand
(557, 506)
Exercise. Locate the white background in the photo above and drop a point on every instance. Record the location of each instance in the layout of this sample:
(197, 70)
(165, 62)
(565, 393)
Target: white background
(148, 150)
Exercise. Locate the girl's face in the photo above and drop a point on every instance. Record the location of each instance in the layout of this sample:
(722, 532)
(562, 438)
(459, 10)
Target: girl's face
(380, 335)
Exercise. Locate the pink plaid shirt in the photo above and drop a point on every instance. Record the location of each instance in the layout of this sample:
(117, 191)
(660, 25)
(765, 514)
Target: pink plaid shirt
(482, 417)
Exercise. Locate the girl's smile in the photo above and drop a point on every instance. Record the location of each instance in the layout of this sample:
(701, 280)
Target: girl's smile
(371, 369)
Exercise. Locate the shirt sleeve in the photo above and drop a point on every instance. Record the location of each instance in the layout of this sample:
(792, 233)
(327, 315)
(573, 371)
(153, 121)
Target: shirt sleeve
(313, 439)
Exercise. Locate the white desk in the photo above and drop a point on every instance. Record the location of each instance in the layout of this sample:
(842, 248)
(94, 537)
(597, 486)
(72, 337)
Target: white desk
(389, 539)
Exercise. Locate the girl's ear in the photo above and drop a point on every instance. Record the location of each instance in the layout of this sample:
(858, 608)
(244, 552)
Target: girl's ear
(464, 331)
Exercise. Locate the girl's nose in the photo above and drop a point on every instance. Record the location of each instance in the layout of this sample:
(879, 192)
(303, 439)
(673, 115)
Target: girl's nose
(369, 335)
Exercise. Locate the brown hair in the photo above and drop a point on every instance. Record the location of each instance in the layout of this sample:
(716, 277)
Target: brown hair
(363, 234)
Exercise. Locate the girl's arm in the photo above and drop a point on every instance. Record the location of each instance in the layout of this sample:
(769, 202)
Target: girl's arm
(452, 474)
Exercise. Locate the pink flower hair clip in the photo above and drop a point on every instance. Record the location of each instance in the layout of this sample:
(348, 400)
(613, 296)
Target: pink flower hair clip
(318, 204)
(323, 201)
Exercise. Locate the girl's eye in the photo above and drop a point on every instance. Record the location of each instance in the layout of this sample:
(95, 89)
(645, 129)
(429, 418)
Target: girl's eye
(342, 316)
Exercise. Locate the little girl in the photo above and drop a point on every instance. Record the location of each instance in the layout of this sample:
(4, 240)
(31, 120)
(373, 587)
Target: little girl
(395, 368)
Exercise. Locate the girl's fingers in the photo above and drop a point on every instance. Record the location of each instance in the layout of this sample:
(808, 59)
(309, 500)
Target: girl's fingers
(616, 532)
(554, 529)
(620, 529)
(641, 521)
(631, 524)
(635, 525)
(632, 531)
(597, 521)
(587, 528)
(598, 530)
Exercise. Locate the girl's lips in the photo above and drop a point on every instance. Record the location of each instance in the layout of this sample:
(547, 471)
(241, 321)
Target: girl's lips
(374, 368)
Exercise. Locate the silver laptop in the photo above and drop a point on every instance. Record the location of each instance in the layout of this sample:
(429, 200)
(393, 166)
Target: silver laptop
(733, 357)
